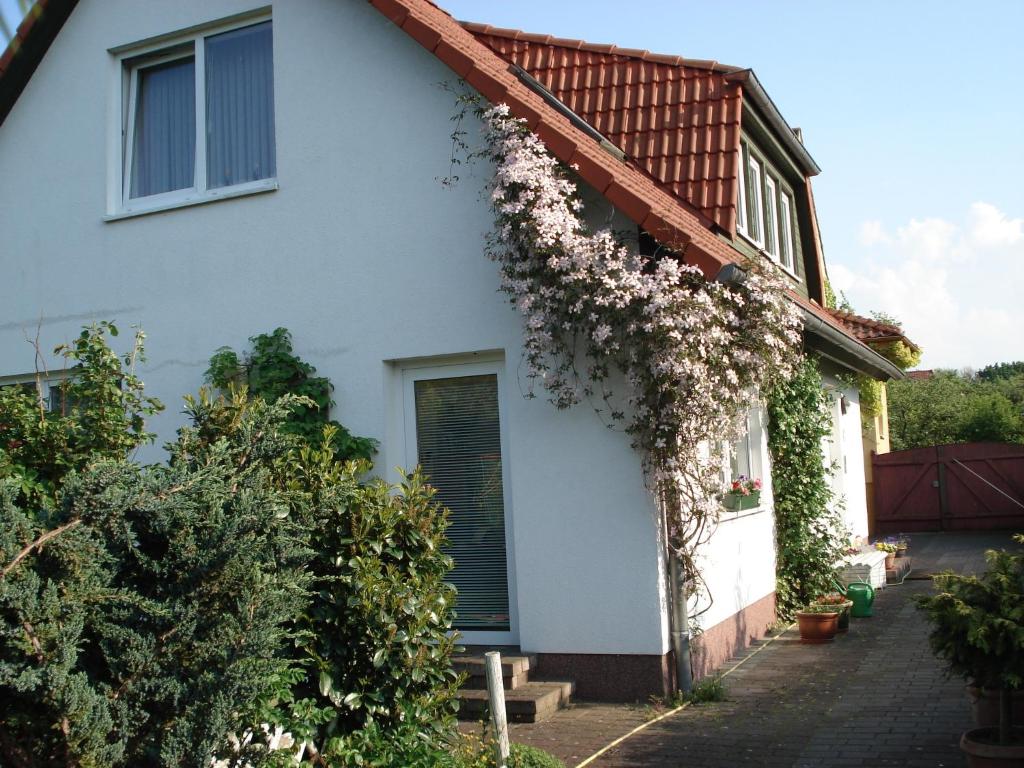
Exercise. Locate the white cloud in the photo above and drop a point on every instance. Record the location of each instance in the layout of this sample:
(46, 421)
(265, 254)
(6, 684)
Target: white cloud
(957, 286)
(873, 233)
(990, 227)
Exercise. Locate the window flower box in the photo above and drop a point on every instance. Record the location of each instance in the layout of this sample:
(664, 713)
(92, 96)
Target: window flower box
(736, 502)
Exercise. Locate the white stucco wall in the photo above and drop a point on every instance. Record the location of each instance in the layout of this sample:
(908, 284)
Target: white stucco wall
(360, 253)
(847, 450)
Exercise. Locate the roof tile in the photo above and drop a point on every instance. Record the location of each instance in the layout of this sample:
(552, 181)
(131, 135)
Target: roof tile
(649, 106)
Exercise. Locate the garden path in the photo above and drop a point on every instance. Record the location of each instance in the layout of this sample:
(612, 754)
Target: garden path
(874, 697)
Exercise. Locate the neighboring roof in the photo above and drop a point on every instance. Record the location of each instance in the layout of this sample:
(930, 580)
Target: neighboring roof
(869, 330)
(835, 340)
(921, 375)
(676, 119)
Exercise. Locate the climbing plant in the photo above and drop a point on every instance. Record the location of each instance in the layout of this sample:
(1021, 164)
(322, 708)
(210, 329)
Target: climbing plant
(270, 370)
(690, 350)
(808, 527)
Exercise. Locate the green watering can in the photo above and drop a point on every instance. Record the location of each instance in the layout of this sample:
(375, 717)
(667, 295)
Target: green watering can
(863, 596)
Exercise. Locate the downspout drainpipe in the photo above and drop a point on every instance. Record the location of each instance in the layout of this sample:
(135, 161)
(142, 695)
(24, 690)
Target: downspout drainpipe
(680, 628)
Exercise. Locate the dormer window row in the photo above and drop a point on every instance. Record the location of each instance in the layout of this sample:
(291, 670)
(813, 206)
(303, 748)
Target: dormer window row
(765, 212)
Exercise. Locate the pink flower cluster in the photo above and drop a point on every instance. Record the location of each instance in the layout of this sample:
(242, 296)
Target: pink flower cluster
(693, 352)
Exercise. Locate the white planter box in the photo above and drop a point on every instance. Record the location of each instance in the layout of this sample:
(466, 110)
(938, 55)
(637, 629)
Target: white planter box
(864, 566)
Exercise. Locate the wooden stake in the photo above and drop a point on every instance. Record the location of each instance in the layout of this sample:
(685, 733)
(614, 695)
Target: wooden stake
(496, 697)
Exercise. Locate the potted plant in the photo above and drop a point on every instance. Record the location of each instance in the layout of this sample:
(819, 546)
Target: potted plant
(742, 493)
(837, 602)
(978, 628)
(902, 545)
(818, 623)
(890, 553)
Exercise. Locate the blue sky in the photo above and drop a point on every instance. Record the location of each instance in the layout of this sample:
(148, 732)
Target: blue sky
(914, 111)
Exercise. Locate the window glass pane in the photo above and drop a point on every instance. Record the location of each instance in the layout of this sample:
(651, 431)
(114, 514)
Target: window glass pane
(741, 195)
(458, 440)
(164, 151)
(770, 218)
(787, 231)
(755, 219)
(240, 106)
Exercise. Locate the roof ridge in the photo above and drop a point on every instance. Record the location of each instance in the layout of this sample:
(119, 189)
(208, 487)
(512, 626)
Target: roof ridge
(607, 48)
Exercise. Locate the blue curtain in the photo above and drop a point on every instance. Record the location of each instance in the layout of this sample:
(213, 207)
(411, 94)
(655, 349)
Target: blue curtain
(240, 106)
(163, 158)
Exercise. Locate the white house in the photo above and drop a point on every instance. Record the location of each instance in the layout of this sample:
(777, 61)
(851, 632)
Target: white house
(214, 170)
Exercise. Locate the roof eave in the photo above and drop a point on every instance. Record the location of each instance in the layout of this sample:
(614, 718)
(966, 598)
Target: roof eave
(760, 98)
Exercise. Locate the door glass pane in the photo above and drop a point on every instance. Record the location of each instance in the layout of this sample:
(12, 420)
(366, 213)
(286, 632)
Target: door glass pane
(164, 151)
(240, 106)
(458, 441)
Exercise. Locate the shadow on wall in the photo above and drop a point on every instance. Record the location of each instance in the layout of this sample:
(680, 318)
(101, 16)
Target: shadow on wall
(713, 647)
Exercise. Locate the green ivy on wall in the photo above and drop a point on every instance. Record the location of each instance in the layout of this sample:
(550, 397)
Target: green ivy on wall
(808, 533)
(270, 370)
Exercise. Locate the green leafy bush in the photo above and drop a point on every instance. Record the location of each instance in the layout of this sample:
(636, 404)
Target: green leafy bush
(103, 413)
(525, 756)
(374, 645)
(808, 533)
(145, 616)
(270, 371)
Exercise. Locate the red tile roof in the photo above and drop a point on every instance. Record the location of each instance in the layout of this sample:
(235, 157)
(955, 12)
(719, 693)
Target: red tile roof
(869, 330)
(677, 119)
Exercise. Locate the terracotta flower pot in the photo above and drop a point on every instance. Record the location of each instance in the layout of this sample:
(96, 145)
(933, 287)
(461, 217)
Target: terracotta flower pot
(890, 560)
(984, 751)
(817, 627)
(985, 707)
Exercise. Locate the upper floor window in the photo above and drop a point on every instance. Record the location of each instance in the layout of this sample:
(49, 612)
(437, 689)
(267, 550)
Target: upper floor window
(199, 118)
(764, 210)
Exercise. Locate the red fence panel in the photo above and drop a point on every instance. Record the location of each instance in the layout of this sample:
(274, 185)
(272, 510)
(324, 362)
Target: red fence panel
(971, 486)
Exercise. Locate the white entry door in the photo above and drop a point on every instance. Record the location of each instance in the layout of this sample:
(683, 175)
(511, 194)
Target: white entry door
(453, 427)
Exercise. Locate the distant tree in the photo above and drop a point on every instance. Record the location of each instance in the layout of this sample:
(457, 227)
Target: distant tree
(953, 407)
(991, 418)
(1001, 371)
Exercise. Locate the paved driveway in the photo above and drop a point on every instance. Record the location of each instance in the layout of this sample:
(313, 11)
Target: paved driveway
(874, 697)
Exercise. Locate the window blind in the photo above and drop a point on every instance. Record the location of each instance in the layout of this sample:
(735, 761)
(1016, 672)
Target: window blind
(458, 440)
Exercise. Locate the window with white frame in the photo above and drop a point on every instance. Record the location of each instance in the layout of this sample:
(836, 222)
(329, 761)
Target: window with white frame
(199, 117)
(786, 231)
(744, 458)
(741, 198)
(755, 220)
(771, 218)
(765, 209)
(47, 389)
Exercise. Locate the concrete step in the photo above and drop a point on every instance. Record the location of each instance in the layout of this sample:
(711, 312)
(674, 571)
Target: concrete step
(528, 703)
(515, 670)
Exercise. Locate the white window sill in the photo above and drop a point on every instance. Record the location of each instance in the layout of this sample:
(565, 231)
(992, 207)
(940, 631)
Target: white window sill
(140, 208)
(728, 516)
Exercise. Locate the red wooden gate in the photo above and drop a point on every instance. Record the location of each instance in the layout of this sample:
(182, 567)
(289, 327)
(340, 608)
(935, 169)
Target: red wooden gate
(972, 486)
